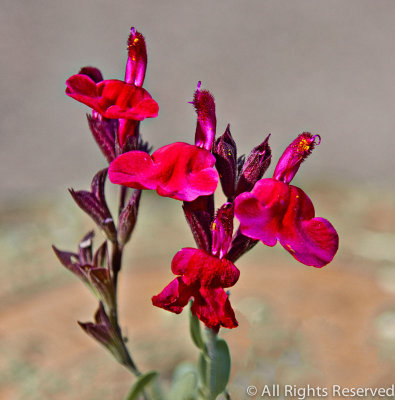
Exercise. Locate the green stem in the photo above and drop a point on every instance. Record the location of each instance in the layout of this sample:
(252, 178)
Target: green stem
(116, 261)
(211, 337)
(116, 264)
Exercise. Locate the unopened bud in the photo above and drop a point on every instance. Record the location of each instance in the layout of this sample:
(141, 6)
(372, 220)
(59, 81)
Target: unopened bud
(206, 125)
(254, 167)
(225, 152)
(128, 218)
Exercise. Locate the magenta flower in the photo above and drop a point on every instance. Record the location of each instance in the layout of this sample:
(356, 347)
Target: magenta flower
(112, 98)
(204, 276)
(115, 99)
(276, 211)
(179, 170)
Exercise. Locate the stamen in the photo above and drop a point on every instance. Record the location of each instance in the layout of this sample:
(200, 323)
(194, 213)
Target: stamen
(319, 139)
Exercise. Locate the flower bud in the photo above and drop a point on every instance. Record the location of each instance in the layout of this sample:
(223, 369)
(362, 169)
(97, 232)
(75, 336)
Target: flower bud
(206, 125)
(256, 165)
(294, 155)
(137, 58)
(225, 152)
(128, 218)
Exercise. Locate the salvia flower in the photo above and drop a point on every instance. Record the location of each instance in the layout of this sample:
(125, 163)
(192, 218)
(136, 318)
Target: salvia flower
(112, 98)
(179, 170)
(276, 211)
(204, 276)
(125, 100)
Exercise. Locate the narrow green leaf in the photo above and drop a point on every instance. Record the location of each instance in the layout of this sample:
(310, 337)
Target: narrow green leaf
(195, 331)
(221, 366)
(140, 384)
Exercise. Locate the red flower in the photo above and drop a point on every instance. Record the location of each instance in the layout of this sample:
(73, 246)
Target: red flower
(275, 210)
(179, 170)
(112, 98)
(203, 277)
(125, 100)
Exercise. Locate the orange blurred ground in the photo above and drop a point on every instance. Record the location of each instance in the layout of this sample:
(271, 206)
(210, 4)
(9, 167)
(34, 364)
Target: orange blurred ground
(298, 325)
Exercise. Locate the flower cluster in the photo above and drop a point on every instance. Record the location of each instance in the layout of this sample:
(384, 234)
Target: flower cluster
(268, 209)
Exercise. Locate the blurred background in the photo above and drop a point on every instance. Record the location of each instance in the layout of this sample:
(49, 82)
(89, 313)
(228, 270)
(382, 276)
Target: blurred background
(276, 67)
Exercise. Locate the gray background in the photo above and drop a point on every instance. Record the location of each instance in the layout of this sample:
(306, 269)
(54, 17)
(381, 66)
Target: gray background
(273, 66)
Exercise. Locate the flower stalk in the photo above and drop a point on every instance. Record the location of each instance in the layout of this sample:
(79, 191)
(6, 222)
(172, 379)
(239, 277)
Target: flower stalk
(211, 338)
(269, 210)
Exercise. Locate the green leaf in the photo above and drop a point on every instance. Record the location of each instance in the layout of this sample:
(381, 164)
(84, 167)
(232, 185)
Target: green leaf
(220, 368)
(196, 334)
(140, 384)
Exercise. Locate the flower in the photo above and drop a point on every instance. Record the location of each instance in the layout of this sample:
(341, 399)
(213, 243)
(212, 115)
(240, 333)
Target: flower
(112, 98)
(116, 99)
(204, 276)
(276, 211)
(179, 170)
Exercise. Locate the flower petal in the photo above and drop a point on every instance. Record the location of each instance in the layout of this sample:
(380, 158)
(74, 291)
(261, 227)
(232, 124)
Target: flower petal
(147, 108)
(213, 308)
(197, 266)
(179, 170)
(277, 211)
(260, 212)
(134, 169)
(112, 98)
(82, 88)
(312, 241)
(174, 297)
(187, 171)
